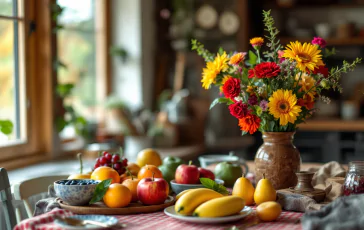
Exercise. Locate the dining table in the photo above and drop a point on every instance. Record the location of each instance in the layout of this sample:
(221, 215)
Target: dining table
(288, 220)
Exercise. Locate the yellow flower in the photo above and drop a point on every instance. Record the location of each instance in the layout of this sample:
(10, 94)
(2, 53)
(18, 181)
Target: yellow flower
(223, 81)
(237, 58)
(212, 69)
(282, 105)
(307, 84)
(221, 61)
(209, 75)
(257, 41)
(250, 89)
(307, 56)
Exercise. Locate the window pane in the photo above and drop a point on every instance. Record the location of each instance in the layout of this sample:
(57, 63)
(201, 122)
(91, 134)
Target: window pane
(9, 106)
(6, 7)
(78, 14)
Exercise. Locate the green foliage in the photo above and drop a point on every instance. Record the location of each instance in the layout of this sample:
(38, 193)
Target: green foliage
(252, 58)
(64, 90)
(221, 100)
(6, 127)
(100, 191)
(208, 183)
(273, 44)
(120, 52)
(335, 73)
(199, 47)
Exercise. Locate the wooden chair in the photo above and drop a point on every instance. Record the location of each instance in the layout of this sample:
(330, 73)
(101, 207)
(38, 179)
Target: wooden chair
(24, 190)
(6, 199)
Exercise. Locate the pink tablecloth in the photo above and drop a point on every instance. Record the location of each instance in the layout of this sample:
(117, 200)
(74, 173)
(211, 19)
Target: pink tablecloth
(158, 220)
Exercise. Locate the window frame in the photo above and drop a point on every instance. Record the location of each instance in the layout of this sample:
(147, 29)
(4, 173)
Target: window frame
(40, 50)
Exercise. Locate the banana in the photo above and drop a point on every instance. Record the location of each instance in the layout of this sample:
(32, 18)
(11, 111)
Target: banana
(192, 199)
(224, 206)
(181, 193)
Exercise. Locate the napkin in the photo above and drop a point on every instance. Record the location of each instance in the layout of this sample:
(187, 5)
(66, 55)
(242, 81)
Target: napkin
(39, 222)
(342, 214)
(321, 180)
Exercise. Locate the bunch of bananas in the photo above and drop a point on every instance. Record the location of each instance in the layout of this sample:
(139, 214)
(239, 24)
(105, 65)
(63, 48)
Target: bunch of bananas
(203, 202)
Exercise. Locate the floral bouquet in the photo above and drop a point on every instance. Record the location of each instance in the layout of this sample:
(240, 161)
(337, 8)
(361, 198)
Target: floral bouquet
(276, 89)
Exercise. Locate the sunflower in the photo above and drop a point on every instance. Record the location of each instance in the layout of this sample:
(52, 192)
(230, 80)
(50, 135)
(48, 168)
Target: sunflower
(212, 69)
(307, 56)
(282, 105)
(257, 41)
(223, 81)
(307, 84)
(237, 58)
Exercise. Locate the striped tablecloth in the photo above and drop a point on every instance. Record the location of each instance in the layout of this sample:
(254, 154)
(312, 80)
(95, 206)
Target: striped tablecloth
(158, 220)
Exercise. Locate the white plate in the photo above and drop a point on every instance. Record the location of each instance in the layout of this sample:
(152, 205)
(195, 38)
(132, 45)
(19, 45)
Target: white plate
(100, 218)
(243, 213)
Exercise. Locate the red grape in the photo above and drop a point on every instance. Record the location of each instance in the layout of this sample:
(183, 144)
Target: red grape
(115, 158)
(108, 157)
(121, 171)
(106, 164)
(102, 160)
(125, 162)
(117, 166)
(97, 160)
(97, 165)
(104, 153)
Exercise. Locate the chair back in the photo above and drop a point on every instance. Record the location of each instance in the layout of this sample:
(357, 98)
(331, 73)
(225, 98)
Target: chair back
(25, 189)
(6, 199)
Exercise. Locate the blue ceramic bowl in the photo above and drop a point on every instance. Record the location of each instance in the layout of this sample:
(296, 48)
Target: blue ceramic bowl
(74, 194)
(177, 188)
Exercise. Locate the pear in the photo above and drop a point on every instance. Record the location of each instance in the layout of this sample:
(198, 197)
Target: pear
(264, 191)
(244, 189)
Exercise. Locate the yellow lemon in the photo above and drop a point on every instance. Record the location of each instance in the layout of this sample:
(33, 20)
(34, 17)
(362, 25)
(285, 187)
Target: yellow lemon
(148, 157)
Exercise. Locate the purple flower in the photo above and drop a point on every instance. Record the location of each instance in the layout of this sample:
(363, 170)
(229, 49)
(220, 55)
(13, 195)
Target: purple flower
(264, 105)
(253, 100)
(319, 41)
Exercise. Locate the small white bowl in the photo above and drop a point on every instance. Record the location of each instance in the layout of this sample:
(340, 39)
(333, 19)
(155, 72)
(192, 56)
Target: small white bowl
(177, 188)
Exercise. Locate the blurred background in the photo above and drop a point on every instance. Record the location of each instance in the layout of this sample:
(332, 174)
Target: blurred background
(93, 75)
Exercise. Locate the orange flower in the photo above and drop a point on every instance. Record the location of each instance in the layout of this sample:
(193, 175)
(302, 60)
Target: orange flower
(249, 123)
(237, 58)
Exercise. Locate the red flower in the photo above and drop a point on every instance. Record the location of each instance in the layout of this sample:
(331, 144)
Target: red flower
(231, 88)
(322, 70)
(319, 41)
(265, 70)
(239, 110)
(249, 123)
(307, 102)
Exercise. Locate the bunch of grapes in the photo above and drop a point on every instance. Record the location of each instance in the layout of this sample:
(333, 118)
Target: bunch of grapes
(114, 161)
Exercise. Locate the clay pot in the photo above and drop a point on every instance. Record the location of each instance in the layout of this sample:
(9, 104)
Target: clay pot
(278, 159)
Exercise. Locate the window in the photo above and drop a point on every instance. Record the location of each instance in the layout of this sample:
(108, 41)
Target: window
(12, 78)
(81, 51)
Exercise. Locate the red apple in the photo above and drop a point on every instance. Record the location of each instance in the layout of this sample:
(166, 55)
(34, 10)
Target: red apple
(152, 191)
(187, 174)
(206, 173)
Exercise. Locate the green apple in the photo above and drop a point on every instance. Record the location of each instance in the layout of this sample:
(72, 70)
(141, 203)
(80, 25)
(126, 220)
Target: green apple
(168, 174)
(172, 162)
(228, 172)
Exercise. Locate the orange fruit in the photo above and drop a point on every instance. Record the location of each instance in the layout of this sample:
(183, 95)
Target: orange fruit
(133, 168)
(132, 185)
(147, 171)
(104, 172)
(149, 157)
(117, 196)
(124, 177)
(269, 211)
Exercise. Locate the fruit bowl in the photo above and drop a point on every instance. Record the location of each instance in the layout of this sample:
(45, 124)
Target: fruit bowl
(177, 188)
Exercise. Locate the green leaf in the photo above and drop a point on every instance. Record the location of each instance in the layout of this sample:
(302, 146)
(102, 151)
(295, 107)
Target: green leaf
(252, 58)
(100, 191)
(221, 100)
(271, 126)
(244, 133)
(6, 127)
(60, 123)
(64, 90)
(208, 183)
(221, 50)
